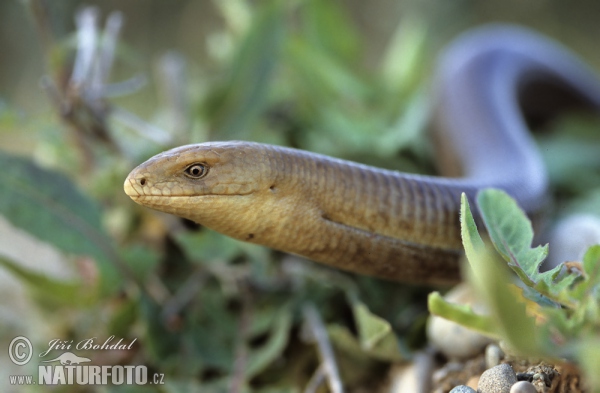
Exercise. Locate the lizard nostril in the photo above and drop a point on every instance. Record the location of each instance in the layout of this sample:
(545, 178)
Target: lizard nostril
(143, 181)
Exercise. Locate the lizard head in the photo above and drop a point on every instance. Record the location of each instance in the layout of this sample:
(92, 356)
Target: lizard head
(213, 183)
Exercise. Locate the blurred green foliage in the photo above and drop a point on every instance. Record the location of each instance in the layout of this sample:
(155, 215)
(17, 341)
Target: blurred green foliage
(212, 313)
(552, 314)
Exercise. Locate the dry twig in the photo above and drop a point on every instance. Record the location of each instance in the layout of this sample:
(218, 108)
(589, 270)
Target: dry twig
(328, 363)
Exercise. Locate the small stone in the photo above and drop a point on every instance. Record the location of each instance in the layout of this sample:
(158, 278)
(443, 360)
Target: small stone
(493, 355)
(414, 377)
(498, 379)
(403, 378)
(462, 389)
(523, 387)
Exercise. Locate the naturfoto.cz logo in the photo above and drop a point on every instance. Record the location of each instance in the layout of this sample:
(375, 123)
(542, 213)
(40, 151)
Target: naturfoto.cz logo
(69, 368)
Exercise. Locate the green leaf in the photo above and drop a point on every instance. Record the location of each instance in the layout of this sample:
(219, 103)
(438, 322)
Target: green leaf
(585, 292)
(141, 260)
(507, 306)
(212, 249)
(471, 240)
(48, 206)
(349, 349)
(123, 318)
(511, 232)
(512, 235)
(461, 314)
(354, 361)
(375, 333)
(491, 280)
(408, 126)
(49, 291)
(159, 341)
(252, 69)
(208, 246)
(591, 264)
(322, 75)
(589, 356)
(259, 359)
(404, 56)
(328, 28)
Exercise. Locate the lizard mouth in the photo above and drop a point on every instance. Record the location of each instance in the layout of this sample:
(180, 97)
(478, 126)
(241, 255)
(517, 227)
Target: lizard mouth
(139, 190)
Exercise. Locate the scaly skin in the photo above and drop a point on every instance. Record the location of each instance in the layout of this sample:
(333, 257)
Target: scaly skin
(368, 220)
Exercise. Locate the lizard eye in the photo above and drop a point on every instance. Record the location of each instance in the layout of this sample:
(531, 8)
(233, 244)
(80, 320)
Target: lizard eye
(196, 171)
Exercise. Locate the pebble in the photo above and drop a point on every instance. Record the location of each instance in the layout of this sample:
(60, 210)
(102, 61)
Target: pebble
(498, 379)
(523, 387)
(462, 389)
(493, 355)
(414, 377)
(403, 378)
(451, 339)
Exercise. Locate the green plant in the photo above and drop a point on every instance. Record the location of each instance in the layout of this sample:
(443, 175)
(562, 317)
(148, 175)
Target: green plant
(208, 311)
(211, 313)
(553, 314)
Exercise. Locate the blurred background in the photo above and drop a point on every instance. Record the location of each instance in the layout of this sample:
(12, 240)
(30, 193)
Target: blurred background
(153, 28)
(345, 78)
